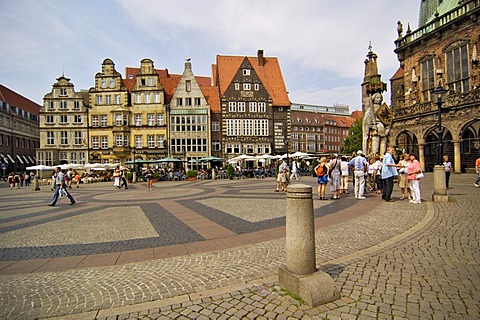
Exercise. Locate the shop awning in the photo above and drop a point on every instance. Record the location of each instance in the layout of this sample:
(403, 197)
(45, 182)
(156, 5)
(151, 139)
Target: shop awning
(26, 160)
(19, 159)
(31, 160)
(9, 157)
(2, 157)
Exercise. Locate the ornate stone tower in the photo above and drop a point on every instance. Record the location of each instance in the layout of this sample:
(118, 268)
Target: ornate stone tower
(376, 116)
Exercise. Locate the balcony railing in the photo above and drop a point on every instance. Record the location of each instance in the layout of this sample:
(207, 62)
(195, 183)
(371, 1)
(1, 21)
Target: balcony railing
(439, 22)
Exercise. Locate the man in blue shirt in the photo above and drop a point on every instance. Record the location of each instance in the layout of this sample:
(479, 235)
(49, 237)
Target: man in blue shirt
(360, 166)
(389, 171)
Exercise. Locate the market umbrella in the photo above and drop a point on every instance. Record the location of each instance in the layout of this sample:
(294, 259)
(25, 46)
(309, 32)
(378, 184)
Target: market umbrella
(210, 159)
(40, 167)
(168, 159)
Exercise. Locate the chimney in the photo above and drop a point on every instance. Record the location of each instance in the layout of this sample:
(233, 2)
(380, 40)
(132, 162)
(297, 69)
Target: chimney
(260, 57)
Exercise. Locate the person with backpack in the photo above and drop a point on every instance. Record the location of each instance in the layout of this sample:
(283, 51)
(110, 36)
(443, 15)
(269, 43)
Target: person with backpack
(360, 166)
(321, 171)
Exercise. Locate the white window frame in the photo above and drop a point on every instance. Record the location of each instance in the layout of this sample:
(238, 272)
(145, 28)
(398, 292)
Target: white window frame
(138, 119)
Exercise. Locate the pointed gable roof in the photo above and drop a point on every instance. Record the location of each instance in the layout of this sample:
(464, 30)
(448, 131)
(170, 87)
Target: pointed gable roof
(267, 69)
(211, 95)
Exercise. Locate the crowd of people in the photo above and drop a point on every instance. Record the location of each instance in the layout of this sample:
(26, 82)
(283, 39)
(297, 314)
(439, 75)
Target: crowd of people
(377, 174)
(16, 180)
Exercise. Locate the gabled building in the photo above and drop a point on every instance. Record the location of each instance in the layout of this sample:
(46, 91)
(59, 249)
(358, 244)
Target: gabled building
(110, 117)
(254, 105)
(148, 127)
(189, 119)
(19, 131)
(63, 125)
(443, 51)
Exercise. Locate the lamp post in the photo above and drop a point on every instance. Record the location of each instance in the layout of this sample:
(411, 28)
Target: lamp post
(134, 175)
(439, 92)
(439, 180)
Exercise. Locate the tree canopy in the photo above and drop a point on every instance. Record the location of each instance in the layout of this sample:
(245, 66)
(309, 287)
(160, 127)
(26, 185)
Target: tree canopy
(353, 142)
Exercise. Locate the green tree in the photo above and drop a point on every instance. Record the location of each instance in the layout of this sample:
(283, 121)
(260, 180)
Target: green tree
(353, 142)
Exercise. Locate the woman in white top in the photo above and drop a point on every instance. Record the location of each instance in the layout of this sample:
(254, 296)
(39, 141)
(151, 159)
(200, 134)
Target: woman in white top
(345, 174)
(448, 169)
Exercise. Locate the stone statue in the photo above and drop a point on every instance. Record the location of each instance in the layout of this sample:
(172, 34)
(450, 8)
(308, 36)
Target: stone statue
(375, 133)
(400, 29)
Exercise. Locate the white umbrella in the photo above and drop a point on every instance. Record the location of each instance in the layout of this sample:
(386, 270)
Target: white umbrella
(94, 165)
(40, 167)
(299, 154)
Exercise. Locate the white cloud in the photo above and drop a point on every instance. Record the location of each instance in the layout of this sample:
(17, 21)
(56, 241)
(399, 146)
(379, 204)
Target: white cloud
(321, 44)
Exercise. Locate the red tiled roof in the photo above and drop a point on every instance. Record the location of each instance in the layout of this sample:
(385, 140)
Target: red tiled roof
(170, 85)
(318, 118)
(211, 95)
(270, 74)
(398, 74)
(357, 114)
(14, 99)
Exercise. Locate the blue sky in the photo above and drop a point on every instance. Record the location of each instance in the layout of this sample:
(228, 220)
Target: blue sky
(321, 44)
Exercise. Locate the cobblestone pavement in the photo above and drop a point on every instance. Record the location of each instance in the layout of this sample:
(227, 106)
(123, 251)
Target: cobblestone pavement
(395, 261)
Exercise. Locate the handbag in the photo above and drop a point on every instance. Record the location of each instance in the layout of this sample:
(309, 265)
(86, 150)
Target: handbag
(62, 192)
(420, 175)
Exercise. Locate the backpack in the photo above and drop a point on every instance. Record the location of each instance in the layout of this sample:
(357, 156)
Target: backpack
(320, 171)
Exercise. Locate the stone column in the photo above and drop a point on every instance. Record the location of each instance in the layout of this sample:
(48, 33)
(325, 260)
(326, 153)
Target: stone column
(300, 230)
(35, 183)
(421, 154)
(300, 275)
(439, 184)
(457, 156)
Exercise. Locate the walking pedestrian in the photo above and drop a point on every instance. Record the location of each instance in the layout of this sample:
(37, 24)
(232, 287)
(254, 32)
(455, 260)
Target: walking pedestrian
(359, 166)
(116, 178)
(321, 170)
(477, 169)
(294, 175)
(281, 175)
(403, 182)
(377, 172)
(345, 175)
(61, 188)
(412, 171)
(334, 176)
(149, 178)
(124, 180)
(389, 171)
(448, 170)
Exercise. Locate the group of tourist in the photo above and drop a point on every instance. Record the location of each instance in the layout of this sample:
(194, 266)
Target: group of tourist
(376, 174)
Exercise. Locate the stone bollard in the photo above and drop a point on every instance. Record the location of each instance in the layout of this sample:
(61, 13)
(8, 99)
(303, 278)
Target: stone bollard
(439, 184)
(300, 275)
(35, 183)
